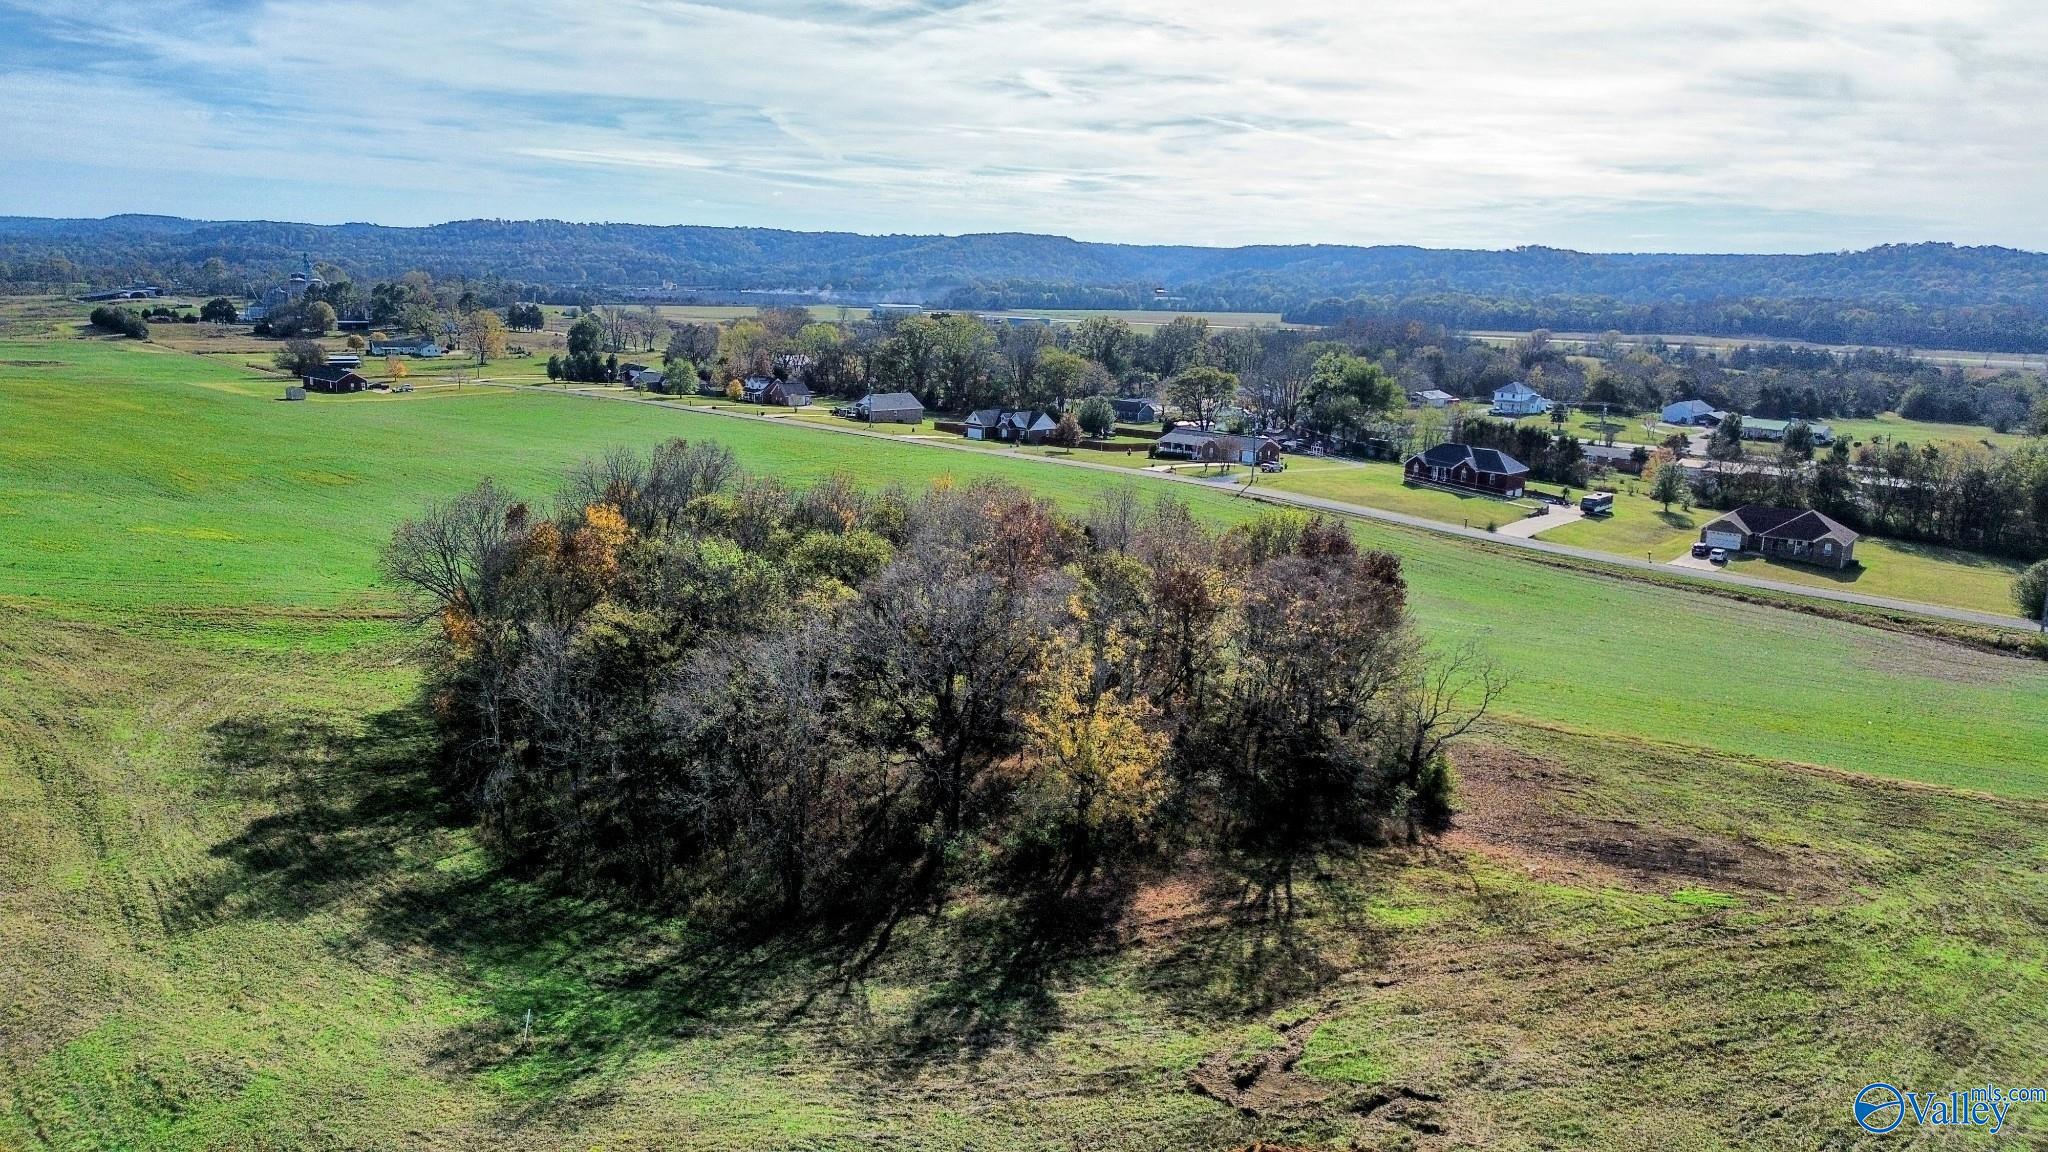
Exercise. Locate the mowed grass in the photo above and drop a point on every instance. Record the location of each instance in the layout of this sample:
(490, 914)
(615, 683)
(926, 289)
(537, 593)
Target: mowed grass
(153, 484)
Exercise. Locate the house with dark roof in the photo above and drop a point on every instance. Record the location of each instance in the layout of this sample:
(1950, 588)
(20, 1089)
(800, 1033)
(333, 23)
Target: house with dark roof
(889, 408)
(787, 394)
(1206, 447)
(333, 378)
(1010, 425)
(1800, 535)
(1484, 470)
(1136, 410)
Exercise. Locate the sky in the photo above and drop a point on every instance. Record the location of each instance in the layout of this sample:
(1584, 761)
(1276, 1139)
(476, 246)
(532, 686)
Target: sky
(1645, 125)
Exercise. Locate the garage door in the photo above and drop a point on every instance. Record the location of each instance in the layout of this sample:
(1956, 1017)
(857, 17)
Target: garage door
(1729, 540)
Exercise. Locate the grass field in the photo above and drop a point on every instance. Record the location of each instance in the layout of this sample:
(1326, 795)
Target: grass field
(233, 915)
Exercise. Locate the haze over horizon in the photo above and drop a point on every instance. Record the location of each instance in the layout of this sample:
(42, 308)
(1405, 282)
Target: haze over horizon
(1803, 126)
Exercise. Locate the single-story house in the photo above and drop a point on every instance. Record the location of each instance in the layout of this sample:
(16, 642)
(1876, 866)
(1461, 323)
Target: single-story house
(889, 408)
(1518, 399)
(1796, 534)
(787, 394)
(1692, 412)
(1015, 425)
(1136, 411)
(710, 386)
(1757, 428)
(644, 377)
(1486, 470)
(329, 378)
(1432, 398)
(419, 346)
(1204, 446)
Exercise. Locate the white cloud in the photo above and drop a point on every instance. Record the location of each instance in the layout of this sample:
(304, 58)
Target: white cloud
(1744, 125)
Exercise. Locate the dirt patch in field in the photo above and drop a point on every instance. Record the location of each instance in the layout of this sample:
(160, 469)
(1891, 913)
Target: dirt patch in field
(1518, 809)
(31, 363)
(1265, 1084)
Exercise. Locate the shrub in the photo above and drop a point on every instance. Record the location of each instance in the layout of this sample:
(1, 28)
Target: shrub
(120, 320)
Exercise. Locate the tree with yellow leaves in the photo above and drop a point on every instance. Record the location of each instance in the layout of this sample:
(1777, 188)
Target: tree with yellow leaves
(1096, 759)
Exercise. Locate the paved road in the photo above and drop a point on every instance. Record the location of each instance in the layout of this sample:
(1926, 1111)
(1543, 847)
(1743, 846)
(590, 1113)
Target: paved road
(1359, 511)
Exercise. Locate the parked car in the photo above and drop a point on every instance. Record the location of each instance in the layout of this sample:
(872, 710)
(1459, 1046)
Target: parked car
(1272, 466)
(404, 388)
(1718, 556)
(1699, 551)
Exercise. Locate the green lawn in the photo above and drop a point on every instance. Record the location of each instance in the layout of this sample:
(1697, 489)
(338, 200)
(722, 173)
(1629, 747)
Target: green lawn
(1892, 426)
(233, 914)
(149, 481)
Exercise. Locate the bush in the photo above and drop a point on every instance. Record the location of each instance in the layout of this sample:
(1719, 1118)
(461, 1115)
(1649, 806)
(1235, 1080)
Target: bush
(2029, 589)
(120, 320)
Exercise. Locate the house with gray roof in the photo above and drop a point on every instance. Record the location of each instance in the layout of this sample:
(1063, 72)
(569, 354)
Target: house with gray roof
(889, 408)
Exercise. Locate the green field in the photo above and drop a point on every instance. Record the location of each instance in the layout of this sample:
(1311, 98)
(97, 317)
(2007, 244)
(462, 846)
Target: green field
(1682, 908)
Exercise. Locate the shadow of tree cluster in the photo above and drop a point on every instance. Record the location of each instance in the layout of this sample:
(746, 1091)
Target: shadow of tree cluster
(352, 822)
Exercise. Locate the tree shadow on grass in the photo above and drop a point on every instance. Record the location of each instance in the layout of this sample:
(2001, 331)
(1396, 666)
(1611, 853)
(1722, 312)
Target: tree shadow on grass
(352, 824)
(1264, 948)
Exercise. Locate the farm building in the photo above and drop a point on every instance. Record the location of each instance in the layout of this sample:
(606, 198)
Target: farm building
(331, 378)
(1215, 447)
(1485, 470)
(1432, 398)
(1518, 399)
(1774, 430)
(889, 408)
(1136, 411)
(1691, 412)
(1797, 534)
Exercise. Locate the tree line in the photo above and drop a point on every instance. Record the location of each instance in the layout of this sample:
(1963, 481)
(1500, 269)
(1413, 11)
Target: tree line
(701, 688)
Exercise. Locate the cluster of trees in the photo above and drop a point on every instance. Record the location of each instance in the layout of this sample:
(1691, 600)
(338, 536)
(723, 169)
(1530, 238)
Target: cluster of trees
(1995, 502)
(701, 688)
(110, 319)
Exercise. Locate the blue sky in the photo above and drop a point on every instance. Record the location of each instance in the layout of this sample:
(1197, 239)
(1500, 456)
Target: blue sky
(1735, 126)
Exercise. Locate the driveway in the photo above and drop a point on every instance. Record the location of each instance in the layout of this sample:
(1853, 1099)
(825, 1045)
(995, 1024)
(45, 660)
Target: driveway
(1528, 526)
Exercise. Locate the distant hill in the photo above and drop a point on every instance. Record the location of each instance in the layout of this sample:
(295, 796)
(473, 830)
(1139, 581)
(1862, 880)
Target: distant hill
(1921, 294)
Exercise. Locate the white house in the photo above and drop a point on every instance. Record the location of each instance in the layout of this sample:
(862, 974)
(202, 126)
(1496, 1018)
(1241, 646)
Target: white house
(1690, 412)
(421, 346)
(1518, 399)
